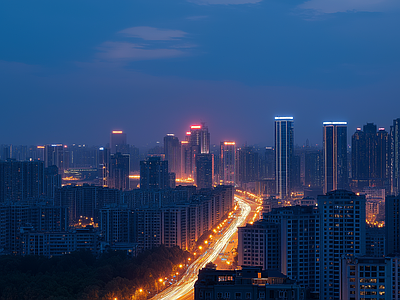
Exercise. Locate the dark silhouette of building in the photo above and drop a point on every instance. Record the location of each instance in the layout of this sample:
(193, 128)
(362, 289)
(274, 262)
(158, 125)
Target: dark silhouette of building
(154, 173)
(119, 171)
(172, 151)
(56, 155)
(395, 156)
(335, 156)
(118, 142)
(227, 169)
(392, 224)
(369, 156)
(52, 181)
(20, 180)
(314, 169)
(204, 171)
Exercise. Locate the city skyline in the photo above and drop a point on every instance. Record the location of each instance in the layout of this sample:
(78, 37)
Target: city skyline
(239, 63)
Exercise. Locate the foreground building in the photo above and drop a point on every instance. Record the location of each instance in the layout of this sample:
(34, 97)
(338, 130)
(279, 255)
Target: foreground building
(248, 283)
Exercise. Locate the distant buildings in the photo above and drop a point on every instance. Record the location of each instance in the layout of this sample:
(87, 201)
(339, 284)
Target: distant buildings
(118, 176)
(205, 171)
(172, 151)
(118, 142)
(154, 173)
(335, 156)
(227, 169)
(395, 157)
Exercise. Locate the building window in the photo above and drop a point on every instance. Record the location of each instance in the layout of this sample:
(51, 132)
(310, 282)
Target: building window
(238, 295)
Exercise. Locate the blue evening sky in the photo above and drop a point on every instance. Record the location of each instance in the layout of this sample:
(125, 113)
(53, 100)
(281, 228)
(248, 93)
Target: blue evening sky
(71, 71)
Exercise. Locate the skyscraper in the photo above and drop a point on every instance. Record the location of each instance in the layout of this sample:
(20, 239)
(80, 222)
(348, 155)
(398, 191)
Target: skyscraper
(119, 171)
(335, 156)
(369, 153)
(395, 156)
(228, 163)
(118, 142)
(284, 141)
(56, 155)
(200, 137)
(172, 151)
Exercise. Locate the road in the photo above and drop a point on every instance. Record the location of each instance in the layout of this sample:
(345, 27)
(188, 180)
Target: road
(184, 288)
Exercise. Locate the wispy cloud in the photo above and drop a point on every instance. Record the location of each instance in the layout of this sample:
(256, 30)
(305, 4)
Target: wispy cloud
(335, 6)
(153, 34)
(130, 51)
(224, 2)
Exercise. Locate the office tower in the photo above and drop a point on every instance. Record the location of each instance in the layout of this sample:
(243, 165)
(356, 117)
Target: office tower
(395, 157)
(52, 181)
(186, 162)
(56, 155)
(369, 156)
(284, 143)
(118, 142)
(392, 224)
(269, 158)
(205, 171)
(314, 169)
(335, 156)
(227, 169)
(200, 138)
(82, 156)
(154, 174)
(342, 227)
(247, 165)
(134, 159)
(20, 180)
(172, 151)
(104, 165)
(119, 171)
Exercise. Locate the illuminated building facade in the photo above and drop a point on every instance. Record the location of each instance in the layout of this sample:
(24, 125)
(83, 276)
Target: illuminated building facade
(284, 143)
(172, 151)
(118, 142)
(335, 156)
(227, 168)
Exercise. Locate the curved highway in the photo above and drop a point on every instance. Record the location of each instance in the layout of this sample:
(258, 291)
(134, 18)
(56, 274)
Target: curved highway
(183, 289)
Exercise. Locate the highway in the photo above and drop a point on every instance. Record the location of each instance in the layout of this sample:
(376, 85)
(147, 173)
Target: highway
(183, 289)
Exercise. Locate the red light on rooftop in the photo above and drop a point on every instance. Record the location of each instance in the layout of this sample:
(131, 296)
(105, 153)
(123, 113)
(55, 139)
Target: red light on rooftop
(381, 128)
(229, 143)
(188, 133)
(117, 131)
(195, 127)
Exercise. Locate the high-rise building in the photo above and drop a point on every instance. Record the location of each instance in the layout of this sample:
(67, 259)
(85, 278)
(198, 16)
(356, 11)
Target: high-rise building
(154, 173)
(227, 169)
(335, 156)
(172, 151)
(395, 157)
(200, 138)
(313, 169)
(20, 180)
(342, 227)
(104, 166)
(118, 142)
(392, 224)
(186, 162)
(247, 165)
(284, 146)
(369, 156)
(119, 171)
(56, 155)
(204, 171)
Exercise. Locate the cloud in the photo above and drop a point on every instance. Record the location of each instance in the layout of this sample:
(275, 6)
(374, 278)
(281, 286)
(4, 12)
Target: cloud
(225, 2)
(153, 34)
(129, 51)
(335, 6)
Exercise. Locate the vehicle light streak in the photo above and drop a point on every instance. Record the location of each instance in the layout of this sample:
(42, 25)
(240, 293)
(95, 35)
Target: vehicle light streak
(185, 286)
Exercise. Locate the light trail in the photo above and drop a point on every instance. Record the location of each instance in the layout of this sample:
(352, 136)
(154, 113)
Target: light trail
(185, 286)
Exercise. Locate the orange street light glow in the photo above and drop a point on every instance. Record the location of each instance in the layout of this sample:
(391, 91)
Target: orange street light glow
(40, 147)
(229, 143)
(184, 142)
(117, 131)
